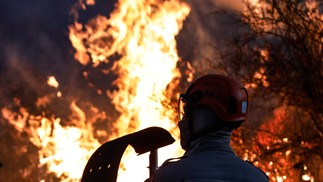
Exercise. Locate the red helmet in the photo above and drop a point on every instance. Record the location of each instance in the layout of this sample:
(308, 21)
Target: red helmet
(226, 96)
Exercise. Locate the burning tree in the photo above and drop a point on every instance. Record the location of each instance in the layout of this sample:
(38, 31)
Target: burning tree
(279, 55)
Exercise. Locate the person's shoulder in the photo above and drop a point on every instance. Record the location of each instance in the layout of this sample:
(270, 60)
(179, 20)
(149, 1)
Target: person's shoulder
(170, 170)
(257, 169)
(171, 161)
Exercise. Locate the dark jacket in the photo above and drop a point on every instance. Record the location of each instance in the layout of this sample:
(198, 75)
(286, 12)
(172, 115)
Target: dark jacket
(210, 160)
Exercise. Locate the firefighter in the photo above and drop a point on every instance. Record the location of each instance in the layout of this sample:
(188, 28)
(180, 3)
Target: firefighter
(212, 106)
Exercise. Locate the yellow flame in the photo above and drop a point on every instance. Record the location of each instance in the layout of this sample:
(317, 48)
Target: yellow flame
(143, 33)
(63, 149)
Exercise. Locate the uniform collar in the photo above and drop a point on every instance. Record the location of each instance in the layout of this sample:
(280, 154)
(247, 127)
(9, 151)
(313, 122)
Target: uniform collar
(216, 141)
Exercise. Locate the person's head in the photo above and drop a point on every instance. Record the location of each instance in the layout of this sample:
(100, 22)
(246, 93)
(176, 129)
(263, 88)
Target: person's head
(210, 103)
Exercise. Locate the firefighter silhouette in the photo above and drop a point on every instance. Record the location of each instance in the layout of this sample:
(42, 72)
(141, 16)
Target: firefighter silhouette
(210, 109)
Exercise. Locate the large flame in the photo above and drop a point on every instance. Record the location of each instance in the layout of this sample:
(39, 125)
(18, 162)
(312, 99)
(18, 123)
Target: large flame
(139, 39)
(64, 150)
(143, 33)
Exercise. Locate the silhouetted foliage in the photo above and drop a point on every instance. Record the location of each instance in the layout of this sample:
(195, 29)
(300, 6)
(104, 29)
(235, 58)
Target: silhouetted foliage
(279, 54)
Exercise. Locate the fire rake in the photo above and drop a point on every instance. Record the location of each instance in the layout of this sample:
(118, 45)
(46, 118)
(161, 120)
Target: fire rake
(104, 163)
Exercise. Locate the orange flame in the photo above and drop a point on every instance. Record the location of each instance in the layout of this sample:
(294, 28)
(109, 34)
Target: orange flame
(64, 149)
(143, 33)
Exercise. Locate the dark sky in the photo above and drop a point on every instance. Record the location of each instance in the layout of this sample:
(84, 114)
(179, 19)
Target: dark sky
(35, 44)
(37, 31)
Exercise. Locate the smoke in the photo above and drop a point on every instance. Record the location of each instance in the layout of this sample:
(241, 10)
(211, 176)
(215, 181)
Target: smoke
(35, 45)
(205, 33)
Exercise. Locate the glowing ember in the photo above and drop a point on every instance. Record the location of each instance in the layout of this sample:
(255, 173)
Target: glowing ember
(143, 33)
(306, 177)
(52, 82)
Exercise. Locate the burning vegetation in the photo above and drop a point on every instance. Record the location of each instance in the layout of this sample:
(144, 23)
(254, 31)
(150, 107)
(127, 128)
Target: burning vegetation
(131, 63)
